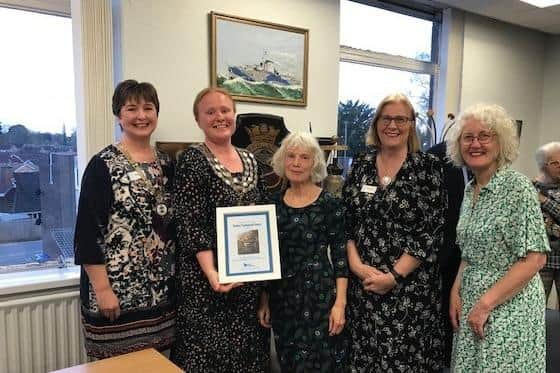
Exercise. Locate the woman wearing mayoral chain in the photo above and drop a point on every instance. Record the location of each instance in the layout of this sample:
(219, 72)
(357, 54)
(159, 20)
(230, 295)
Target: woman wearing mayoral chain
(217, 327)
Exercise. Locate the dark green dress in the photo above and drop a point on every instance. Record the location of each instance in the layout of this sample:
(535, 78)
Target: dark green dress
(301, 301)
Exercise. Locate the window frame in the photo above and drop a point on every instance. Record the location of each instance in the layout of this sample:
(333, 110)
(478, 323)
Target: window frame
(93, 76)
(395, 62)
(389, 61)
(51, 7)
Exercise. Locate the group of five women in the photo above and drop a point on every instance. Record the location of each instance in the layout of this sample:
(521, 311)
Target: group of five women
(360, 287)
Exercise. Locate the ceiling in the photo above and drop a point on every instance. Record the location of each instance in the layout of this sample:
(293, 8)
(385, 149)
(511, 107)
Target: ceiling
(513, 11)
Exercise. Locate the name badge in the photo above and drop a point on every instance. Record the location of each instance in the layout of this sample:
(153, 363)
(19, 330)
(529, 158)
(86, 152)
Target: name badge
(134, 175)
(371, 189)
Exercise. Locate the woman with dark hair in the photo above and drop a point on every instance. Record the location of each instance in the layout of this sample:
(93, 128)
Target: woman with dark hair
(123, 238)
(395, 203)
(217, 325)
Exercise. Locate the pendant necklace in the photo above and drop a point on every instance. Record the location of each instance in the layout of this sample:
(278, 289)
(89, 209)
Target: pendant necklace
(384, 181)
(156, 190)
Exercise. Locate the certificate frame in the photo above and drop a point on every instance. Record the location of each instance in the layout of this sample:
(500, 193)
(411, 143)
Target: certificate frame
(247, 244)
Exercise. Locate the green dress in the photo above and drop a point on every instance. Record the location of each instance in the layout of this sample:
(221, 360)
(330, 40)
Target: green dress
(503, 226)
(300, 302)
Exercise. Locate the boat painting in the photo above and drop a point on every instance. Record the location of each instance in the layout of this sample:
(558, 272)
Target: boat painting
(259, 62)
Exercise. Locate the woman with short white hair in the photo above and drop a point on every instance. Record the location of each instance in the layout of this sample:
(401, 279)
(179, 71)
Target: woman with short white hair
(497, 301)
(548, 186)
(306, 308)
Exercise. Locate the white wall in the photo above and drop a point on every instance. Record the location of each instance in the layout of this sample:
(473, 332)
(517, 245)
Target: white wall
(504, 64)
(551, 92)
(448, 92)
(169, 45)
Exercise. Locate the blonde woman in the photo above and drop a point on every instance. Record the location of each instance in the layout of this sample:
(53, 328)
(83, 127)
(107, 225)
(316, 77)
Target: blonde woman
(395, 204)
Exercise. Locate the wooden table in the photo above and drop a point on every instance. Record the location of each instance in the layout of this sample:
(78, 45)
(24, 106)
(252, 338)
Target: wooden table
(145, 361)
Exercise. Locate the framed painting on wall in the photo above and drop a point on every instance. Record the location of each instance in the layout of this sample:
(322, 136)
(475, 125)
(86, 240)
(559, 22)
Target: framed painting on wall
(257, 61)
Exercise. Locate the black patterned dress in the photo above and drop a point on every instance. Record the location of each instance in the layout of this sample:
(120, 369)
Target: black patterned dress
(216, 332)
(300, 303)
(117, 225)
(400, 331)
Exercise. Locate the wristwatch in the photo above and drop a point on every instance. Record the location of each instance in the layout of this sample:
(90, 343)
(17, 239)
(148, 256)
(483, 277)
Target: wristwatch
(398, 277)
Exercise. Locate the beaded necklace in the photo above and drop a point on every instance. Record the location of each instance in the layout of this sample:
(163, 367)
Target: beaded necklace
(241, 185)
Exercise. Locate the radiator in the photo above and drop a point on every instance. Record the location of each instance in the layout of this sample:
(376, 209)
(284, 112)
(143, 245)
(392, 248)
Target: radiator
(41, 333)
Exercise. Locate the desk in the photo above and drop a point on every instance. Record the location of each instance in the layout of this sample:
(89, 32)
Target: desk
(145, 361)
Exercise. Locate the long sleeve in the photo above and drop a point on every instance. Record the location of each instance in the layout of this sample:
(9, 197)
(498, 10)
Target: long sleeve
(425, 233)
(191, 204)
(94, 206)
(337, 238)
(552, 207)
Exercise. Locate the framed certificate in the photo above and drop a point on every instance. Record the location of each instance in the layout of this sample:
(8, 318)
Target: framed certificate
(247, 243)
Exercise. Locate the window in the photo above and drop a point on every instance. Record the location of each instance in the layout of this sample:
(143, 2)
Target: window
(384, 51)
(38, 168)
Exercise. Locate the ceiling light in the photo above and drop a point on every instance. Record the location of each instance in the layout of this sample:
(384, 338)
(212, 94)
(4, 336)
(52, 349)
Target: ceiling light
(542, 3)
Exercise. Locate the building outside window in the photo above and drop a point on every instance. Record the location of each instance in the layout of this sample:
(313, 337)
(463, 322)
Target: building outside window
(38, 168)
(383, 51)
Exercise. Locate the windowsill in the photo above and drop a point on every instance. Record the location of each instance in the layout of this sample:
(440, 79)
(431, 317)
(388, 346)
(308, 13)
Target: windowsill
(39, 279)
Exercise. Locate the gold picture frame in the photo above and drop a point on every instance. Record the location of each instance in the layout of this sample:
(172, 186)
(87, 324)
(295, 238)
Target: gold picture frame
(259, 61)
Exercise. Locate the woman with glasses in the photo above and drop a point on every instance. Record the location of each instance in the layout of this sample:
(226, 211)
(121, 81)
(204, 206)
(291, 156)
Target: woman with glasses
(395, 203)
(548, 186)
(497, 301)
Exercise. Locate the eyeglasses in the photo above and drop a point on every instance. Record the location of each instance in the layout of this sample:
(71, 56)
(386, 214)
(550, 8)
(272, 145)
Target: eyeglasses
(399, 121)
(553, 163)
(483, 138)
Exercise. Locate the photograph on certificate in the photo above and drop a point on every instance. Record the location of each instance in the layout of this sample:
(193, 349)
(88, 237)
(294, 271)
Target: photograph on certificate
(247, 243)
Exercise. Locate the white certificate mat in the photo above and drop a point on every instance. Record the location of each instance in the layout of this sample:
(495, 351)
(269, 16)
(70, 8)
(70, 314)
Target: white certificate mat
(247, 243)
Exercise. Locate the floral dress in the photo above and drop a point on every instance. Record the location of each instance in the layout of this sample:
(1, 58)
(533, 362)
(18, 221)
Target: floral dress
(117, 225)
(502, 227)
(216, 332)
(300, 303)
(400, 331)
